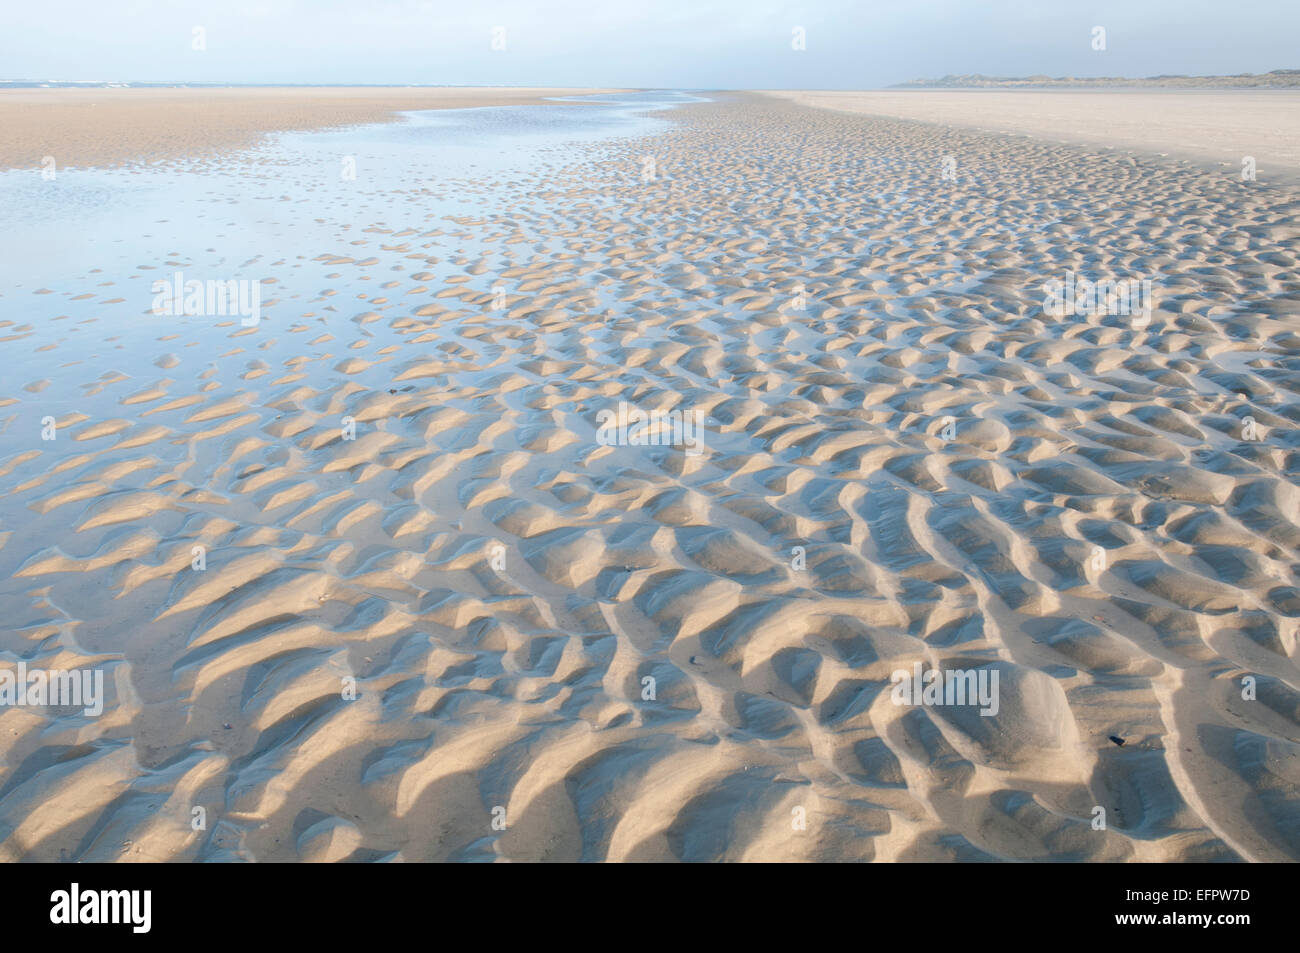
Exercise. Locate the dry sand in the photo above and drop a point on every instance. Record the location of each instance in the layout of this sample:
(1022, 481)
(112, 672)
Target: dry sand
(1214, 127)
(108, 127)
(973, 483)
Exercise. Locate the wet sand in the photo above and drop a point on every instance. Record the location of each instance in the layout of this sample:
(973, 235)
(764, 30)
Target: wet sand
(108, 127)
(641, 652)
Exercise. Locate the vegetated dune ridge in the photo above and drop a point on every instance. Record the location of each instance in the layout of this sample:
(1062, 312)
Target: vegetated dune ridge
(1098, 528)
(104, 127)
(1274, 79)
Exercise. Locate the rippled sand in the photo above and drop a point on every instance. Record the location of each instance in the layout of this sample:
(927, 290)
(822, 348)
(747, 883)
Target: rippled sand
(1216, 127)
(973, 484)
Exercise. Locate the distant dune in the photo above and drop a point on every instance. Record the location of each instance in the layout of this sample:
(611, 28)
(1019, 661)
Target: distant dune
(1277, 79)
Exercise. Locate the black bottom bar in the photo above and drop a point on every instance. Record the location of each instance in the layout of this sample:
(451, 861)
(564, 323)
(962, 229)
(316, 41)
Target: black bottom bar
(334, 903)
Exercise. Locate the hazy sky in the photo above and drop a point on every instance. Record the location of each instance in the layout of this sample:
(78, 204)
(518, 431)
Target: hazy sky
(665, 43)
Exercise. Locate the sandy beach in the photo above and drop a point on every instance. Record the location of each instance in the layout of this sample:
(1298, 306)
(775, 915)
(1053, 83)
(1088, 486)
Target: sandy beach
(107, 127)
(1214, 128)
(406, 570)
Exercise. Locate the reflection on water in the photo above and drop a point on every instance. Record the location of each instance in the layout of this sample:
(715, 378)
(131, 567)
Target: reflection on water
(119, 218)
(84, 249)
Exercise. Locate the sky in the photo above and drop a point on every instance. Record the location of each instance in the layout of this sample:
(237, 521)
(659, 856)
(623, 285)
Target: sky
(684, 44)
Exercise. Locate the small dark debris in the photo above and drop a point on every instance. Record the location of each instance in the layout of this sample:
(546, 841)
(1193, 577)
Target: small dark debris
(1117, 740)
